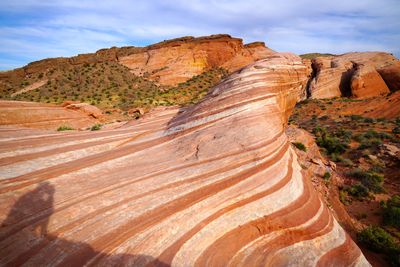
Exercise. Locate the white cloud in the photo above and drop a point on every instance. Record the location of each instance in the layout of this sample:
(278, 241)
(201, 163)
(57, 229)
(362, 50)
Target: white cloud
(44, 28)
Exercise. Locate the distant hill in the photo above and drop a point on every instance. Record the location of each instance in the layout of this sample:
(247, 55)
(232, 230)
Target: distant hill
(173, 72)
(315, 55)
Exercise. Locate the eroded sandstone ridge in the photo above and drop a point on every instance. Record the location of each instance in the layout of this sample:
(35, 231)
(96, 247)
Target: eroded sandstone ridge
(360, 75)
(216, 184)
(177, 60)
(46, 116)
(168, 63)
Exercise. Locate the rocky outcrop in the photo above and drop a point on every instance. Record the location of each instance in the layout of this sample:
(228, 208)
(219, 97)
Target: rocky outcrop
(215, 184)
(86, 108)
(45, 116)
(169, 62)
(334, 75)
(175, 61)
(366, 82)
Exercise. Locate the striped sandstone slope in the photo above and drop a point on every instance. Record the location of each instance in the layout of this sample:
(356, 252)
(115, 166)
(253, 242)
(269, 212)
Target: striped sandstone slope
(213, 185)
(47, 116)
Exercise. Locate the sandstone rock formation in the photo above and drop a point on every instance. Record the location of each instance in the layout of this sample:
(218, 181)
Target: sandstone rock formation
(366, 82)
(333, 75)
(86, 109)
(175, 61)
(216, 184)
(45, 116)
(168, 62)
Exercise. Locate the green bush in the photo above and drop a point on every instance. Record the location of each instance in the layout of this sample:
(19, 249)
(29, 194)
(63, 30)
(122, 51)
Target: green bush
(370, 143)
(96, 127)
(372, 180)
(369, 120)
(64, 128)
(396, 130)
(378, 240)
(356, 117)
(344, 134)
(391, 211)
(332, 144)
(300, 146)
(326, 175)
(343, 197)
(358, 191)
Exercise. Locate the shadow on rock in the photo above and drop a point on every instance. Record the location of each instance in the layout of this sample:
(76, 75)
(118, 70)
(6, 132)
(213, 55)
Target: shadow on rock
(24, 238)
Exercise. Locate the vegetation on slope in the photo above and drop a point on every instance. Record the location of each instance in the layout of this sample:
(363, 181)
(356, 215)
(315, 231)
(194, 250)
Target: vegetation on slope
(108, 85)
(364, 150)
(314, 55)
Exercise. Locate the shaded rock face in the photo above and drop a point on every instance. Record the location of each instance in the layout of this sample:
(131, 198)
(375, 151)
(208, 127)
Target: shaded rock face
(45, 116)
(216, 184)
(178, 60)
(360, 75)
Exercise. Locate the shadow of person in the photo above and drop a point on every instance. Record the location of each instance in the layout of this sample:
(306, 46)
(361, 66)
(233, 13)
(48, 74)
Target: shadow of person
(39, 203)
(25, 239)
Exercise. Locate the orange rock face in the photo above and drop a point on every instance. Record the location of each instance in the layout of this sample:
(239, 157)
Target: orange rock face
(339, 75)
(366, 82)
(216, 184)
(45, 116)
(178, 60)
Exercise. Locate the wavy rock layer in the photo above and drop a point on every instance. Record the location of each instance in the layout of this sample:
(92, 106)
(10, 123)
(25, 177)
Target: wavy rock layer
(360, 75)
(213, 185)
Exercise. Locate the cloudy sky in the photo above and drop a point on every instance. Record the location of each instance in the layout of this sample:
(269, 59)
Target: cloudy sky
(36, 29)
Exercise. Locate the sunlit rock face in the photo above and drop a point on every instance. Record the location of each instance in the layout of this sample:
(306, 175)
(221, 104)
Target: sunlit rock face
(360, 75)
(177, 60)
(47, 116)
(366, 82)
(215, 184)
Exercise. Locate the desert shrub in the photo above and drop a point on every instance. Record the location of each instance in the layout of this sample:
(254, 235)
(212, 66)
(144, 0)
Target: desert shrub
(372, 180)
(343, 197)
(326, 176)
(96, 127)
(356, 117)
(347, 162)
(336, 157)
(370, 143)
(396, 130)
(378, 240)
(391, 211)
(369, 120)
(332, 144)
(357, 190)
(343, 134)
(64, 128)
(300, 146)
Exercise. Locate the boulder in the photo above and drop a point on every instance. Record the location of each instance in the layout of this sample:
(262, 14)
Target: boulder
(367, 82)
(86, 109)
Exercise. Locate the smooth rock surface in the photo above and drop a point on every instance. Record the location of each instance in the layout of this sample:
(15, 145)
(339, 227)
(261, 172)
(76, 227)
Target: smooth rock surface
(178, 60)
(47, 116)
(216, 184)
(334, 75)
(366, 82)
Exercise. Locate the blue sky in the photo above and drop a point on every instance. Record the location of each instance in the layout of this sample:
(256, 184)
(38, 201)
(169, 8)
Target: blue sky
(36, 29)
